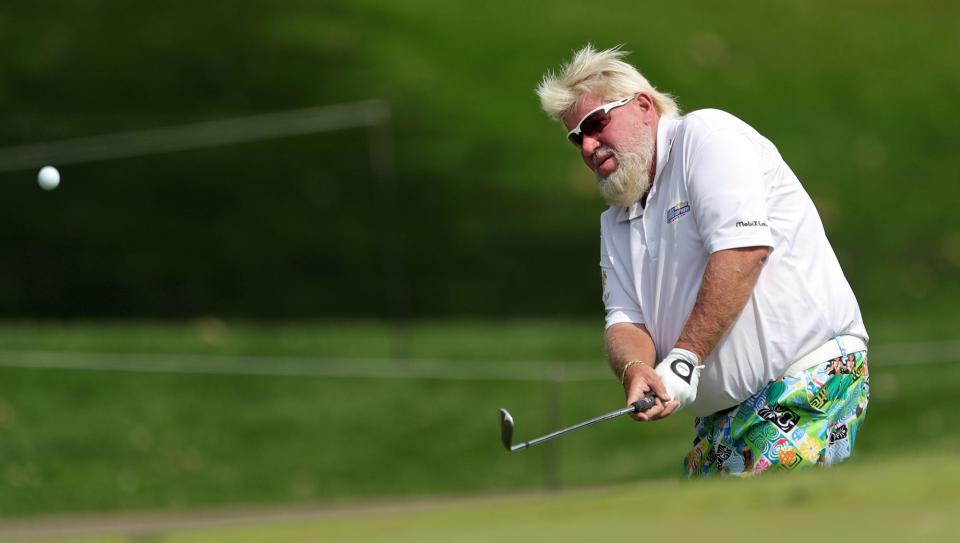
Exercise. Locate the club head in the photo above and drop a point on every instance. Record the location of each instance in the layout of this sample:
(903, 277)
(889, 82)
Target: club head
(506, 429)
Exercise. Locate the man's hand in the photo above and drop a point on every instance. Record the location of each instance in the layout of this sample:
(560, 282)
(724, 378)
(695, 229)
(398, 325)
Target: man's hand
(637, 381)
(680, 375)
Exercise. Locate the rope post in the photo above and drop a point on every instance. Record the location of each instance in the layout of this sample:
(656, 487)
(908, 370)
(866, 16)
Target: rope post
(552, 455)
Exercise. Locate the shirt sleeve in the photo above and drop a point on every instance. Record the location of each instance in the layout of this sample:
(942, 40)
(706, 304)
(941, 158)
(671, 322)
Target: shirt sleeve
(727, 192)
(619, 304)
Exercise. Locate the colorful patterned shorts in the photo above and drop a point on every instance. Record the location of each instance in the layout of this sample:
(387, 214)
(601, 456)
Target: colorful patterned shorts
(810, 418)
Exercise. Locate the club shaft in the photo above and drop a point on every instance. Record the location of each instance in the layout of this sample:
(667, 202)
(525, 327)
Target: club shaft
(541, 439)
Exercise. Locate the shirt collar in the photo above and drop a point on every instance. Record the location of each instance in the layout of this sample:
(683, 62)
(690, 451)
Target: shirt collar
(666, 133)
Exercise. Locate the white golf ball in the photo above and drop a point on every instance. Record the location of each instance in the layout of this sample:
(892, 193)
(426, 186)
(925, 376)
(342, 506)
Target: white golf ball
(48, 178)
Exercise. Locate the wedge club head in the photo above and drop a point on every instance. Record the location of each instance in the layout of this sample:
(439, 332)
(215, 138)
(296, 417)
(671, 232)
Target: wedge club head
(506, 430)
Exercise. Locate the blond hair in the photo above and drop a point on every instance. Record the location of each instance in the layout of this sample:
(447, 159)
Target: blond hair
(604, 73)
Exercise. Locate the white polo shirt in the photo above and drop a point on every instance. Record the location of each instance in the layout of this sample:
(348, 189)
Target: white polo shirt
(719, 185)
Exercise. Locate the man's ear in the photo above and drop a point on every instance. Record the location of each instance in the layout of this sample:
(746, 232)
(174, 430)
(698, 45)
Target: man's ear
(645, 102)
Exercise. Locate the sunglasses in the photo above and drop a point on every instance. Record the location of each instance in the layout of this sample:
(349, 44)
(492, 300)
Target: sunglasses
(593, 123)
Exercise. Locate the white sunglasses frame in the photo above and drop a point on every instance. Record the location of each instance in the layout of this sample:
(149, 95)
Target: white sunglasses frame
(607, 108)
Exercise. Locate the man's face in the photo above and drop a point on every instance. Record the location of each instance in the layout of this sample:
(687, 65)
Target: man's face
(621, 155)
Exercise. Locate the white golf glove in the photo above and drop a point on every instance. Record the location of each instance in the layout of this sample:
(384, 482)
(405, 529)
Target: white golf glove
(680, 374)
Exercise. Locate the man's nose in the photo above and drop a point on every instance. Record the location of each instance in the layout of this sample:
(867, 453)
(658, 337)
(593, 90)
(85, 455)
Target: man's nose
(589, 145)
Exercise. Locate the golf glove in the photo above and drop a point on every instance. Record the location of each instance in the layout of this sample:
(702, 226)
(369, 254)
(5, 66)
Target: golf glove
(680, 374)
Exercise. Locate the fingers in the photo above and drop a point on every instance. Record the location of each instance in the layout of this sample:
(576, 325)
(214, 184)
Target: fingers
(657, 385)
(637, 390)
(660, 410)
(670, 408)
(639, 383)
(655, 412)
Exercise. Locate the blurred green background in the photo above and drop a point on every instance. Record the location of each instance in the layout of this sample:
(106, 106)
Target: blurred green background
(493, 214)
(477, 251)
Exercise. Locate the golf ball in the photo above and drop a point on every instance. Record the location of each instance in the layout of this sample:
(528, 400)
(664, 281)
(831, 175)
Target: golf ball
(48, 178)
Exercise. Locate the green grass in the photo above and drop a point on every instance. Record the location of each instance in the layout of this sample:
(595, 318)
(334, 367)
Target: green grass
(891, 499)
(453, 339)
(75, 440)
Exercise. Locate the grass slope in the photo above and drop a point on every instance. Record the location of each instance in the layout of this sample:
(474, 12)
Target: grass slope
(896, 499)
(109, 440)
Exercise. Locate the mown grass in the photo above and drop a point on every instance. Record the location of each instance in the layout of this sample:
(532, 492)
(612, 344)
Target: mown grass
(889, 499)
(74, 440)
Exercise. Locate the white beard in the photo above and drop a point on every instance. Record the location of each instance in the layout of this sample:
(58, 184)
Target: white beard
(631, 179)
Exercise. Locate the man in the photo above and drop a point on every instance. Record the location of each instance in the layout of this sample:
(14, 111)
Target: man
(723, 296)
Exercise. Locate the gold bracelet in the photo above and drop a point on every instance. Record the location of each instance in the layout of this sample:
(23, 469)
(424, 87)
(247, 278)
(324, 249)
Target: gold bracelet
(623, 374)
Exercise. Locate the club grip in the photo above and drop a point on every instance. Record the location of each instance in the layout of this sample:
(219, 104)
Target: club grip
(644, 403)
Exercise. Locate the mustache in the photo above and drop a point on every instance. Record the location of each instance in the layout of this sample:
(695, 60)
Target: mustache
(601, 154)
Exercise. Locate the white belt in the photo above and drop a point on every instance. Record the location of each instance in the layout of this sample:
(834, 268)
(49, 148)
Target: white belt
(833, 348)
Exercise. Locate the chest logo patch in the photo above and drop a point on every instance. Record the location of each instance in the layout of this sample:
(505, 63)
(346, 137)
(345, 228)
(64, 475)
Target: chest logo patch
(677, 211)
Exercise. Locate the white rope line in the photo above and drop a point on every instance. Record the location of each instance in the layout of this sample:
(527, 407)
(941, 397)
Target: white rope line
(356, 368)
(888, 355)
(195, 135)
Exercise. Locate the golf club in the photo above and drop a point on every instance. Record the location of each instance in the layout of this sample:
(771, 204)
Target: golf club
(506, 423)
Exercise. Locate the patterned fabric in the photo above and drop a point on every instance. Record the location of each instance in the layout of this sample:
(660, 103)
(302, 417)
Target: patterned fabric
(810, 418)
